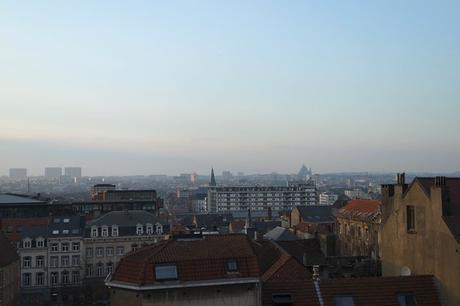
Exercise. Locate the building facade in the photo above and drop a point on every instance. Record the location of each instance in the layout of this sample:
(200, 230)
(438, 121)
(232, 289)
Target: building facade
(421, 231)
(327, 198)
(227, 199)
(113, 235)
(9, 273)
(357, 228)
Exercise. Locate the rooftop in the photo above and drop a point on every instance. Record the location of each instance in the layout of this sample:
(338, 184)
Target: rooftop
(361, 209)
(6, 198)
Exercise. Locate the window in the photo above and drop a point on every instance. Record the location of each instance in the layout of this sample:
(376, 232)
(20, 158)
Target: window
(65, 232)
(89, 270)
(410, 221)
(75, 260)
(54, 261)
(26, 262)
(105, 231)
(27, 243)
(56, 220)
(134, 246)
(39, 261)
(26, 279)
(139, 229)
(93, 231)
(109, 268)
(54, 278)
(165, 272)
(40, 243)
(66, 220)
(114, 231)
(55, 232)
(40, 279)
(89, 252)
(65, 277)
(345, 300)
(65, 261)
(65, 247)
(100, 252)
(109, 251)
(100, 269)
(159, 229)
(75, 276)
(149, 229)
(406, 299)
(75, 246)
(281, 299)
(232, 265)
(54, 247)
(120, 250)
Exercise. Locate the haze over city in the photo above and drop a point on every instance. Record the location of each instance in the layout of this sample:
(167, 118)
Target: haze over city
(123, 88)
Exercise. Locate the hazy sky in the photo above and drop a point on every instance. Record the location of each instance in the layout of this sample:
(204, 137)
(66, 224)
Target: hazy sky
(142, 87)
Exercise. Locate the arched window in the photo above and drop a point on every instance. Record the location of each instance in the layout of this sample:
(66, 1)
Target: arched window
(105, 231)
(149, 229)
(159, 229)
(27, 243)
(94, 231)
(139, 229)
(115, 230)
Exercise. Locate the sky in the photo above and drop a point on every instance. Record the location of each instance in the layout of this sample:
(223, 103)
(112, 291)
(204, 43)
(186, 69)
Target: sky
(150, 87)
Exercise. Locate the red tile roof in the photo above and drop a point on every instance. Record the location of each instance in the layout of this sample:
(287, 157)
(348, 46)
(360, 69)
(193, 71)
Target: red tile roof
(197, 259)
(381, 291)
(361, 209)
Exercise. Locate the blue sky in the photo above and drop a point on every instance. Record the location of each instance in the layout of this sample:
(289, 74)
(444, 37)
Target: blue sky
(141, 87)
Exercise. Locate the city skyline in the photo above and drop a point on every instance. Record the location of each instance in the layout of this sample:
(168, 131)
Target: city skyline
(144, 88)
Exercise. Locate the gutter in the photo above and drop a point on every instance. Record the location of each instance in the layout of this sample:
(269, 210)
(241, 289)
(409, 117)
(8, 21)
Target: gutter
(193, 284)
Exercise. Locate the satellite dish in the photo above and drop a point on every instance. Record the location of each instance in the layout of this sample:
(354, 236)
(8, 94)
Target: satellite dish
(405, 271)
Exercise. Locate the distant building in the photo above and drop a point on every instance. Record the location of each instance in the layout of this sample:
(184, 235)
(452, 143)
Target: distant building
(356, 194)
(53, 173)
(18, 173)
(228, 199)
(227, 175)
(421, 231)
(9, 273)
(107, 192)
(327, 198)
(72, 172)
(357, 227)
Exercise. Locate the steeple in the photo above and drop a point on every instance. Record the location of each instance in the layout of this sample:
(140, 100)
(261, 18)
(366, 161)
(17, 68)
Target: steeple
(212, 183)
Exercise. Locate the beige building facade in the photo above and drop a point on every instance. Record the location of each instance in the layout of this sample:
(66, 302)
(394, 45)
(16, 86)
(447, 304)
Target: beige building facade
(420, 232)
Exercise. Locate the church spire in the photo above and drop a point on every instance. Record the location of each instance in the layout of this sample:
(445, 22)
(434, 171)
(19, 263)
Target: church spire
(213, 179)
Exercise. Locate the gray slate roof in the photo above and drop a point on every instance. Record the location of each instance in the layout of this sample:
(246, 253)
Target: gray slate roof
(316, 213)
(126, 218)
(280, 234)
(17, 199)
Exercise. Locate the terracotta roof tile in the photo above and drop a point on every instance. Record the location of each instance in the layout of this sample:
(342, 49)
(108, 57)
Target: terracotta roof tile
(197, 259)
(381, 291)
(361, 209)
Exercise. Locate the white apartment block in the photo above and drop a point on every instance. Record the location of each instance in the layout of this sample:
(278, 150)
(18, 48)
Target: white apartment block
(327, 198)
(227, 199)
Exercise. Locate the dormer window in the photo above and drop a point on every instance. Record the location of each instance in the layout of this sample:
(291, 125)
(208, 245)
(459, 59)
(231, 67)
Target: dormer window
(27, 243)
(159, 229)
(114, 230)
(94, 231)
(165, 272)
(139, 229)
(149, 229)
(232, 265)
(105, 231)
(40, 243)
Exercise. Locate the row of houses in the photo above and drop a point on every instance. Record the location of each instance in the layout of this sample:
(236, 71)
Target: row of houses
(62, 254)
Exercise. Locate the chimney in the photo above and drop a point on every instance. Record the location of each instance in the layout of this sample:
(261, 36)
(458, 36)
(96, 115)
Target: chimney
(304, 259)
(440, 181)
(269, 213)
(400, 178)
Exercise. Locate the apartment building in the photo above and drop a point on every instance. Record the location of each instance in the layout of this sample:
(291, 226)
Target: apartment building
(65, 246)
(108, 238)
(227, 199)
